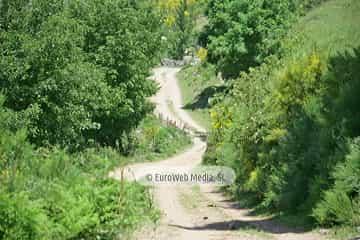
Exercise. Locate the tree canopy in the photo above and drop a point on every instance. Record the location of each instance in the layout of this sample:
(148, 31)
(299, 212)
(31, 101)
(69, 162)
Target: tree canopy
(82, 64)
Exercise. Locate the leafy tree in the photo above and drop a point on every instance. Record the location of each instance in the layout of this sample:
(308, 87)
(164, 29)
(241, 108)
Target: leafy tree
(242, 33)
(83, 63)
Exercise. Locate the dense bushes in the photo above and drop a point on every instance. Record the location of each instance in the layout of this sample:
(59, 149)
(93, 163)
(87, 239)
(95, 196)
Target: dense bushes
(82, 64)
(98, 209)
(47, 193)
(50, 194)
(20, 218)
(75, 79)
(341, 203)
(290, 129)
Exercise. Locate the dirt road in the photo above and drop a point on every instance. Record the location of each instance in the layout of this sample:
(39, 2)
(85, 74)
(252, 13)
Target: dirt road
(203, 212)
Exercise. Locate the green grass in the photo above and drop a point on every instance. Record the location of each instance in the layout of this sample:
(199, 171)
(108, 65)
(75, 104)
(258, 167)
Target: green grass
(332, 27)
(198, 84)
(155, 141)
(341, 233)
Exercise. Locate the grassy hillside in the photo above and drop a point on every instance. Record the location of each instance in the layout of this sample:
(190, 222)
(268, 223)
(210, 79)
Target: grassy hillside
(334, 26)
(289, 125)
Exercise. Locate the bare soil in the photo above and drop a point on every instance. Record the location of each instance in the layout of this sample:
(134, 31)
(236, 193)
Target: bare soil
(214, 216)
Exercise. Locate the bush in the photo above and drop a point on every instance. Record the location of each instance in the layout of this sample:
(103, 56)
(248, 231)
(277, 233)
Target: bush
(21, 218)
(283, 129)
(51, 194)
(341, 203)
(179, 22)
(153, 140)
(65, 202)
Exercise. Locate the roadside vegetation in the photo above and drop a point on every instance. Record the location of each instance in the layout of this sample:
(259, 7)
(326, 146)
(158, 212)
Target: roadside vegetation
(74, 105)
(180, 28)
(199, 86)
(288, 121)
(278, 88)
(48, 193)
(153, 140)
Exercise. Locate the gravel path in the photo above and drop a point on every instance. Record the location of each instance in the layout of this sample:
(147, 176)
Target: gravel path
(213, 217)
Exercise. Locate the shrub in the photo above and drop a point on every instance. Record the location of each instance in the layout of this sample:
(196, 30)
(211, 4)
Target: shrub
(68, 196)
(202, 54)
(283, 129)
(341, 203)
(152, 140)
(21, 218)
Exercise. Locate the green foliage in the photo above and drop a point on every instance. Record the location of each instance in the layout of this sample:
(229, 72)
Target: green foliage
(242, 33)
(285, 127)
(179, 20)
(331, 27)
(51, 194)
(286, 144)
(82, 64)
(47, 193)
(341, 203)
(199, 88)
(153, 140)
(21, 218)
(74, 75)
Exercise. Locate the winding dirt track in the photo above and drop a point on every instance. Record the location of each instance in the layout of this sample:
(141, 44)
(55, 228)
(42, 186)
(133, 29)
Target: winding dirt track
(213, 216)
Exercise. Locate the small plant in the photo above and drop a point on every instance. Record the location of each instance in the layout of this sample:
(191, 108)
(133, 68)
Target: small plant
(202, 54)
